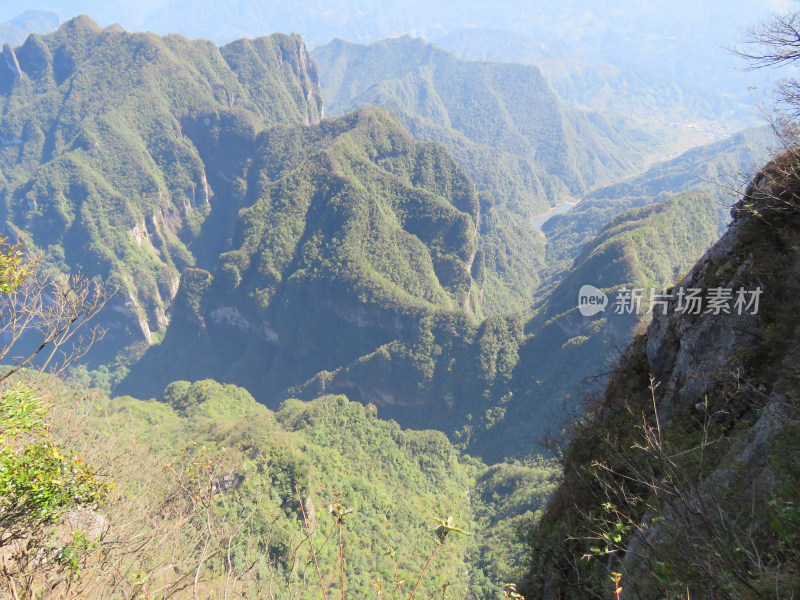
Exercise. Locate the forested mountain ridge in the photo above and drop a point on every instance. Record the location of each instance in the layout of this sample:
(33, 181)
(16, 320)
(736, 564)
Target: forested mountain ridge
(347, 234)
(501, 121)
(723, 168)
(187, 156)
(94, 165)
(524, 149)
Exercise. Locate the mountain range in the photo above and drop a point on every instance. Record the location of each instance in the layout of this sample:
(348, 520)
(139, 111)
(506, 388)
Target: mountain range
(534, 152)
(256, 242)
(330, 294)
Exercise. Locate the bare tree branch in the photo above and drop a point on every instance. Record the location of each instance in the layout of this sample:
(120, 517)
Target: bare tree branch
(47, 318)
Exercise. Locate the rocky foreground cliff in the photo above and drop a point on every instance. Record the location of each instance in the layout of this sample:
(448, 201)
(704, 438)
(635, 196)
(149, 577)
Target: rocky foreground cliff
(682, 479)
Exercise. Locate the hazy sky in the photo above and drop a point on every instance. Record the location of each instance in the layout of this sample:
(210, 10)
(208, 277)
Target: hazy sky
(371, 19)
(678, 39)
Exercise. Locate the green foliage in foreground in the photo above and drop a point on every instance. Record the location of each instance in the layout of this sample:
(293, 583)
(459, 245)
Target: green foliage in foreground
(396, 482)
(39, 479)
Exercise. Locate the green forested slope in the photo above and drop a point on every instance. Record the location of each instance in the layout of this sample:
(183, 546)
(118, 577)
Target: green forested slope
(207, 496)
(331, 450)
(723, 168)
(346, 235)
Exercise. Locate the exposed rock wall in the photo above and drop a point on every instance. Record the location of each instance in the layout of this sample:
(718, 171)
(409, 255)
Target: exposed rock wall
(677, 475)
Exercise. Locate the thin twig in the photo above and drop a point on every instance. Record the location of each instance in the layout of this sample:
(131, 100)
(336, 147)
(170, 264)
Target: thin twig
(311, 544)
(414, 591)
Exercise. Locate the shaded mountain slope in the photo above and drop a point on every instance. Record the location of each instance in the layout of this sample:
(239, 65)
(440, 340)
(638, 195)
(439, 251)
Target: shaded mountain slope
(499, 384)
(564, 351)
(348, 233)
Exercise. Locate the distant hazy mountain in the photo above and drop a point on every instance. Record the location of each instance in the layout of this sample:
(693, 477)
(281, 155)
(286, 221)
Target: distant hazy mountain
(611, 26)
(581, 77)
(664, 40)
(17, 29)
(631, 55)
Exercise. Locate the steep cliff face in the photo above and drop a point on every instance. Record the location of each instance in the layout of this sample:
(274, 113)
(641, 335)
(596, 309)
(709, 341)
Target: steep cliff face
(338, 238)
(683, 475)
(277, 63)
(98, 172)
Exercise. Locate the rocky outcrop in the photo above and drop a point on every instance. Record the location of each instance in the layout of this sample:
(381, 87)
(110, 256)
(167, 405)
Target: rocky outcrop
(755, 267)
(230, 316)
(297, 55)
(10, 71)
(677, 477)
(691, 354)
(10, 61)
(197, 195)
